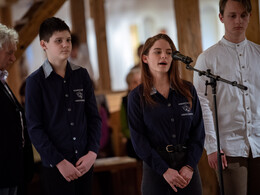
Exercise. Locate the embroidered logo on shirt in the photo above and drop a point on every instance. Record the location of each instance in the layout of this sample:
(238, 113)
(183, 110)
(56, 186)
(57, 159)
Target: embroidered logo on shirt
(79, 94)
(186, 107)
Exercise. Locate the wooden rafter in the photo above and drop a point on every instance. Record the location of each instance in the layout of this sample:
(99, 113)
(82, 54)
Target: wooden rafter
(29, 25)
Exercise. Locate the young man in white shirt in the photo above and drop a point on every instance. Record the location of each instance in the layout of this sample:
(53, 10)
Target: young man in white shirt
(236, 59)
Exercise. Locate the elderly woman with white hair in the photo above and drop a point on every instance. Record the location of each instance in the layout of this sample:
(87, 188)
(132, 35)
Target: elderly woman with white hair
(12, 121)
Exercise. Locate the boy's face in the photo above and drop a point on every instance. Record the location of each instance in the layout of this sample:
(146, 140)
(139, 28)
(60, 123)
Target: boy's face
(58, 47)
(235, 19)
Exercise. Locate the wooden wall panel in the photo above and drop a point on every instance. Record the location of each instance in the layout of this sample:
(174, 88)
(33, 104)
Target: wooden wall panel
(78, 19)
(188, 30)
(5, 15)
(253, 30)
(98, 13)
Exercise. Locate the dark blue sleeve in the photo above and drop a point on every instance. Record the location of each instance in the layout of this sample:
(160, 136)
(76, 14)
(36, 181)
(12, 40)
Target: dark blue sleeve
(138, 134)
(197, 133)
(93, 117)
(35, 123)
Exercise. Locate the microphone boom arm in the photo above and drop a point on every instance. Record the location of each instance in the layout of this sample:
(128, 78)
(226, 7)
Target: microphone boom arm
(215, 77)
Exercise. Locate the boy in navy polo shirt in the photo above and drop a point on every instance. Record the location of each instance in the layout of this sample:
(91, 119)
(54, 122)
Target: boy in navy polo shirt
(63, 119)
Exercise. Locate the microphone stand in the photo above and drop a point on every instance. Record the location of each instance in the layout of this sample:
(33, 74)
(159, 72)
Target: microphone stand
(213, 84)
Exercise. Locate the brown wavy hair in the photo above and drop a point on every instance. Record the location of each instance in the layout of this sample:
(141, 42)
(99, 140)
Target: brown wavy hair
(182, 87)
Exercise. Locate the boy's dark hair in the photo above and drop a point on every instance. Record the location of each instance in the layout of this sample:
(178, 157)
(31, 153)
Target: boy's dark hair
(51, 25)
(245, 3)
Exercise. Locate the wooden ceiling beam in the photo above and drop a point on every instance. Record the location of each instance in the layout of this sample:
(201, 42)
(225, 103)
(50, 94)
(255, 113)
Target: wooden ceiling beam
(32, 20)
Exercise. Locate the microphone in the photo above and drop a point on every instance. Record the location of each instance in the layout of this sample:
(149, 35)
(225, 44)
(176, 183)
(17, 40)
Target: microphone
(178, 56)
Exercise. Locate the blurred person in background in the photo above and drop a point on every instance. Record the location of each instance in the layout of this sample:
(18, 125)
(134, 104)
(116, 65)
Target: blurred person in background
(133, 79)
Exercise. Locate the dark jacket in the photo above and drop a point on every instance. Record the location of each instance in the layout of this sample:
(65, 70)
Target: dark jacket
(62, 116)
(170, 121)
(11, 141)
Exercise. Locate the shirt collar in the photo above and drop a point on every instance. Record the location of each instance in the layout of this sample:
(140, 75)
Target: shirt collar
(47, 68)
(154, 90)
(3, 75)
(233, 45)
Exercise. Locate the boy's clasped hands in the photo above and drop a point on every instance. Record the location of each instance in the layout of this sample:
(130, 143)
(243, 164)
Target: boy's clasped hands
(71, 172)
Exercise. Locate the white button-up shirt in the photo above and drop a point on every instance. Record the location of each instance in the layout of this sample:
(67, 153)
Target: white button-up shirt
(238, 110)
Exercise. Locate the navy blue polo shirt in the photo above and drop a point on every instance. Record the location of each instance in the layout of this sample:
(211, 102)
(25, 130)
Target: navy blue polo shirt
(62, 116)
(170, 121)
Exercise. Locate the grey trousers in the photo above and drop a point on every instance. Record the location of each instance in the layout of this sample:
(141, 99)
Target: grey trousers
(242, 176)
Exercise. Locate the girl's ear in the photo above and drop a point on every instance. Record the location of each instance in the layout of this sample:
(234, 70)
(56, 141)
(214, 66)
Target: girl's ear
(144, 58)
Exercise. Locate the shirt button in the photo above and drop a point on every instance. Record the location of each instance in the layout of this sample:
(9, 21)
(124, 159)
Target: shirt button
(71, 124)
(243, 66)
(172, 119)
(247, 108)
(74, 138)
(51, 165)
(76, 151)
(173, 136)
(169, 104)
(240, 54)
(246, 93)
(66, 95)
(245, 81)
(64, 81)
(69, 109)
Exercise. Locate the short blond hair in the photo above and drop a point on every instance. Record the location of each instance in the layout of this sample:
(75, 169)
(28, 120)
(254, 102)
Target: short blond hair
(130, 75)
(7, 35)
